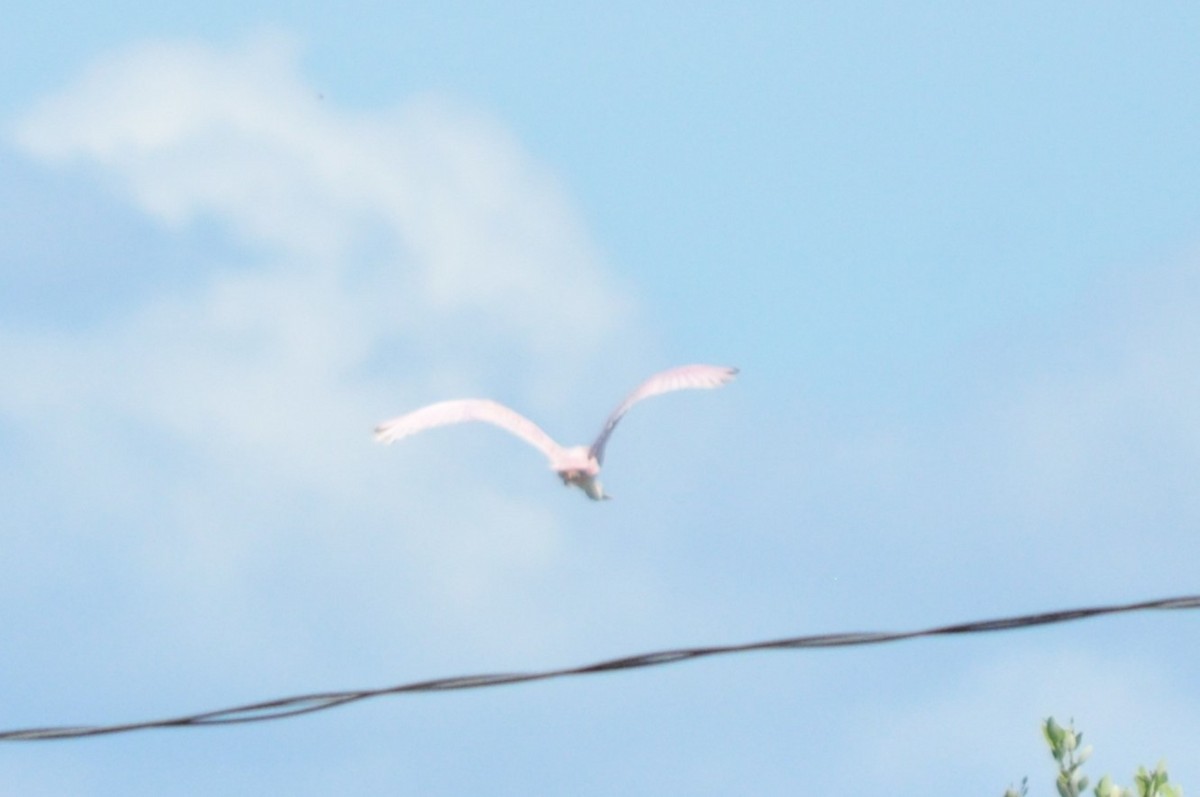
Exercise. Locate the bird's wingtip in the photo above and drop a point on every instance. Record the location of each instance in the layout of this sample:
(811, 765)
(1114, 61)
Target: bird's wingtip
(725, 374)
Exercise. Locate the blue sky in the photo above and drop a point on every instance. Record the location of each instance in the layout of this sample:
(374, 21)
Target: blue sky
(955, 252)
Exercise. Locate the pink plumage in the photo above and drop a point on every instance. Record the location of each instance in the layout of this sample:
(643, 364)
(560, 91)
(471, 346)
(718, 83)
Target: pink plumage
(577, 465)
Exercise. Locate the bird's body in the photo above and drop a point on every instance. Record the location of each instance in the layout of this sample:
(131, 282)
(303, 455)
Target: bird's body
(575, 465)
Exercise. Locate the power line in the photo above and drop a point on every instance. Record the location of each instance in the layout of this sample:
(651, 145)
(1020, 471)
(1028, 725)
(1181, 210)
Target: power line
(320, 701)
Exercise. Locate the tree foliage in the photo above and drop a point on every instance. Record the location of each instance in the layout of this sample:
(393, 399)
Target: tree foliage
(1069, 754)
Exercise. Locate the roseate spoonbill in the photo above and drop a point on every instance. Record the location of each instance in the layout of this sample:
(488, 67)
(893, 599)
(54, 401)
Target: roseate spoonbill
(577, 465)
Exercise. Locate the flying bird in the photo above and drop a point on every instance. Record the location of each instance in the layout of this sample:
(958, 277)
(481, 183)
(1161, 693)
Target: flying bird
(577, 465)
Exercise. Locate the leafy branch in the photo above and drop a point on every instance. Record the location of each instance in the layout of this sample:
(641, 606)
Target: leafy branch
(1065, 747)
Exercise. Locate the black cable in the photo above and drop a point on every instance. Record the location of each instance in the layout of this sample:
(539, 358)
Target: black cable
(305, 704)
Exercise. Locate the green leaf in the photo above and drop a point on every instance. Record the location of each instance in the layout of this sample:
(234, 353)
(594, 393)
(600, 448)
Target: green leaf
(1053, 732)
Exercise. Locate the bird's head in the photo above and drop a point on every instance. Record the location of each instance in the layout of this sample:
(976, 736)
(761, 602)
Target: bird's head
(576, 466)
(589, 484)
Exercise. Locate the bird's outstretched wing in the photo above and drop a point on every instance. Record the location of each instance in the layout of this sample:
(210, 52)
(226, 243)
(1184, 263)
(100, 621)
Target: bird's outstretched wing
(685, 377)
(461, 411)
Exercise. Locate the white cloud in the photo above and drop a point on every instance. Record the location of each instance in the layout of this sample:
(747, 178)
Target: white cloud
(238, 412)
(479, 232)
